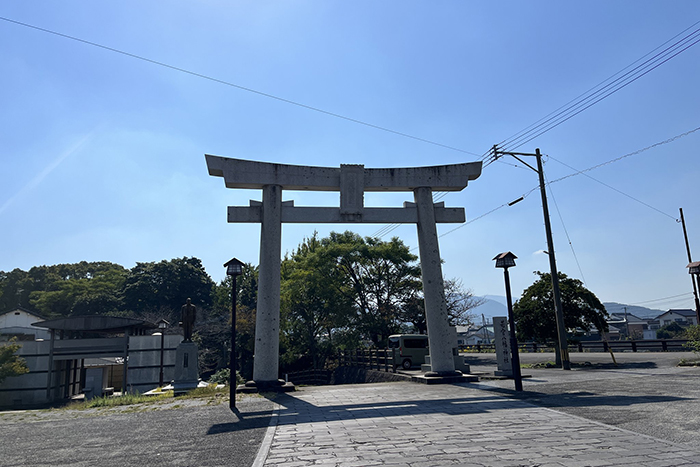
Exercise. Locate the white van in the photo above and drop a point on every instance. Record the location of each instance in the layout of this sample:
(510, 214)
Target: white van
(411, 349)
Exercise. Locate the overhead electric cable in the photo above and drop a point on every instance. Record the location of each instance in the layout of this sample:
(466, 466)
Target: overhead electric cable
(662, 299)
(566, 232)
(619, 191)
(634, 153)
(237, 86)
(582, 172)
(600, 91)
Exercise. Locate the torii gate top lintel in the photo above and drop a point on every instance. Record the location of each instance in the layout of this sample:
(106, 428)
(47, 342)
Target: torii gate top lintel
(240, 173)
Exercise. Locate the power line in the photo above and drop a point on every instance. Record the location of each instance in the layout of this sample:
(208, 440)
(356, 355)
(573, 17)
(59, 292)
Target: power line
(663, 299)
(582, 172)
(566, 232)
(618, 191)
(634, 153)
(237, 86)
(600, 91)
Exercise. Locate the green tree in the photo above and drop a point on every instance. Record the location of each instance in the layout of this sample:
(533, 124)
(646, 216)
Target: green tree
(670, 331)
(692, 333)
(246, 305)
(84, 288)
(459, 300)
(313, 304)
(64, 289)
(381, 278)
(10, 363)
(15, 287)
(167, 284)
(534, 312)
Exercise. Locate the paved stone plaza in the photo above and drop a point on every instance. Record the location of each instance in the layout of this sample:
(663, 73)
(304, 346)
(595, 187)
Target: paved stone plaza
(405, 424)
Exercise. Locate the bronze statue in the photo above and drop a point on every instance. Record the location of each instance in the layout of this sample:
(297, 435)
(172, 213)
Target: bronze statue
(188, 315)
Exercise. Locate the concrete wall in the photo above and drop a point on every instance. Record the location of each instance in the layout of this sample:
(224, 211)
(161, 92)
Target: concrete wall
(143, 370)
(28, 389)
(144, 361)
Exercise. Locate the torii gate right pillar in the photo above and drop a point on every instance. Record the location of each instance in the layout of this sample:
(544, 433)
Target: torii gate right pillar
(439, 337)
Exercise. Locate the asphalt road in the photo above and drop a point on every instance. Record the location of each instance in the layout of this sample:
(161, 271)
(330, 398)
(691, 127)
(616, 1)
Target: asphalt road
(182, 433)
(646, 392)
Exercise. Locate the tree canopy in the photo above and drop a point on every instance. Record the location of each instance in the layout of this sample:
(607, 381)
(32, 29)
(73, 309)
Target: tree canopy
(344, 290)
(341, 291)
(534, 312)
(10, 363)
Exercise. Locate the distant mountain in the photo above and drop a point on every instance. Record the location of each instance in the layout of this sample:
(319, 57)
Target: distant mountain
(638, 311)
(494, 305)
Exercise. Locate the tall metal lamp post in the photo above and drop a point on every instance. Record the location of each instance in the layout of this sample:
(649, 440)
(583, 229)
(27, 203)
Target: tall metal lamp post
(234, 268)
(505, 261)
(162, 325)
(694, 270)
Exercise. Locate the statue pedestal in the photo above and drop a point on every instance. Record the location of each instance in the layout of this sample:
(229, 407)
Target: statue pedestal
(278, 385)
(186, 368)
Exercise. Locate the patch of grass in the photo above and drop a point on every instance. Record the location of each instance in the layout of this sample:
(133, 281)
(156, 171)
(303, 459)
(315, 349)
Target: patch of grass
(208, 391)
(685, 362)
(125, 399)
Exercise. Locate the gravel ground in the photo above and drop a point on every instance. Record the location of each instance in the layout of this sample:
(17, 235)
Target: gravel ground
(184, 432)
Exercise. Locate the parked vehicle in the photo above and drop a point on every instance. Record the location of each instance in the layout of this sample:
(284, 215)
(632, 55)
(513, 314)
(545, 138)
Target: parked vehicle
(412, 349)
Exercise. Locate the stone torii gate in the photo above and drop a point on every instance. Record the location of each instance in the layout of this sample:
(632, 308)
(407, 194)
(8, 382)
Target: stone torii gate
(352, 181)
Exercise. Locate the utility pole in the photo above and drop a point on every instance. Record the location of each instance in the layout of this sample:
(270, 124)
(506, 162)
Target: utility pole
(563, 353)
(693, 277)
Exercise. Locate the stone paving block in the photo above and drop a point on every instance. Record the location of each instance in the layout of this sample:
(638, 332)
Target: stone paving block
(452, 425)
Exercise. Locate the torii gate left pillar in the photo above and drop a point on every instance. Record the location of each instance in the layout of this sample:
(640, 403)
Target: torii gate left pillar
(352, 181)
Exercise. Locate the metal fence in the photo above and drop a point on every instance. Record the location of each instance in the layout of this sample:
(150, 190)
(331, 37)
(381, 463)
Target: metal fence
(651, 345)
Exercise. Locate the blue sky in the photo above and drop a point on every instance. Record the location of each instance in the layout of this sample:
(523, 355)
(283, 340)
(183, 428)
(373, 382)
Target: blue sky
(103, 154)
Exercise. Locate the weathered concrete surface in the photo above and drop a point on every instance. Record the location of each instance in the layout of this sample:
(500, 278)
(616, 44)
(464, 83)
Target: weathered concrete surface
(267, 320)
(440, 335)
(328, 215)
(240, 173)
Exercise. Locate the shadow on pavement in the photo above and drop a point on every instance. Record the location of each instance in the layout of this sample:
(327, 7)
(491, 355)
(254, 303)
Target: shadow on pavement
(583, 398)
(244, 421)
(293, 410)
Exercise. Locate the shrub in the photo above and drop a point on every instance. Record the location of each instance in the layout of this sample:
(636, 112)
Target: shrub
(11, 364)
(692, 333)
(223, 376)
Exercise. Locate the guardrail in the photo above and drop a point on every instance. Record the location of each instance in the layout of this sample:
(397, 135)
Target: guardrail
(313, 377)
(374, 359)
(651, 345)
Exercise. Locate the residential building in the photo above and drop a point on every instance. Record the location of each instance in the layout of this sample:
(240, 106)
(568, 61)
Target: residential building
(684, 317)
(17, 323)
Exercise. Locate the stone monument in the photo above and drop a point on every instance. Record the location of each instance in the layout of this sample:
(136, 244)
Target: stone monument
(186, 354)
(351, 181)
(502, 341)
